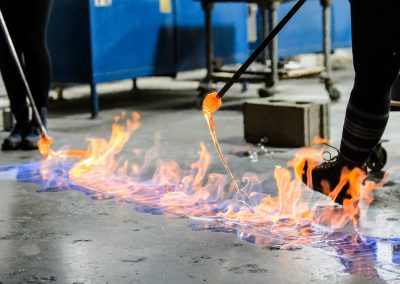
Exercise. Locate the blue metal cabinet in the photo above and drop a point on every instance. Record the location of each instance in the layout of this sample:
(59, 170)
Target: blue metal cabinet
(131, 39)
(96, 41)
(91, 42)
(68, 41)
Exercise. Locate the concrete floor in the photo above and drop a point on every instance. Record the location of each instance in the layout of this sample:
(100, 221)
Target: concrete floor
(63, 236)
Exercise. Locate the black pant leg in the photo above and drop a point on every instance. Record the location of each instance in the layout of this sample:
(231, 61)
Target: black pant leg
(34, 48)
(375, 31)
(11, 77)
(375, 34)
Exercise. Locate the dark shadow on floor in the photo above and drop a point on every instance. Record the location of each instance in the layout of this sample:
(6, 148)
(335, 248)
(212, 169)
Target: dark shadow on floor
(138, 100)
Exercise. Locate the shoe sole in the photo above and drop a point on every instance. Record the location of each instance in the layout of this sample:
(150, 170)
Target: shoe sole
(29, 147)
(6, 147)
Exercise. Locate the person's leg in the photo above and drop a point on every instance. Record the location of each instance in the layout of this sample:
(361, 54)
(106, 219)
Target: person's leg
(34, 48)
(376, 67)
(37, 61)
(11, 77)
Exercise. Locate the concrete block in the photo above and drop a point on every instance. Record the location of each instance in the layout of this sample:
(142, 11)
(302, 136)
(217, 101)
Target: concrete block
(285, 123)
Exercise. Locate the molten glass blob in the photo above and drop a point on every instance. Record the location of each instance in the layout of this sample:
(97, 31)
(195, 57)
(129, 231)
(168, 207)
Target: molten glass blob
(44, 145)
(211, 104)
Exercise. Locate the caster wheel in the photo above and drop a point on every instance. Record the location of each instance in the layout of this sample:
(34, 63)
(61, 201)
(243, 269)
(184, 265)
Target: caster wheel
(218, 63)
(266, 92)
(334, 93)
(134, 84)
(378, 158)
(245, 87)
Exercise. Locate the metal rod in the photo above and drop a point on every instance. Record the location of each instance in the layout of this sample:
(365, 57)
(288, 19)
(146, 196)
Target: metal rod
(260, 48)
(264, 31)
(326, 6)
(14, 54)
(273, 19)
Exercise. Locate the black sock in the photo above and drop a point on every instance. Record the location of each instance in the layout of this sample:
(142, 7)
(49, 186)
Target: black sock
(361, 132)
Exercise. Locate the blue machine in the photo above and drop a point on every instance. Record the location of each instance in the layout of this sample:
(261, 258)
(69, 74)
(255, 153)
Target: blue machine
(104, 40)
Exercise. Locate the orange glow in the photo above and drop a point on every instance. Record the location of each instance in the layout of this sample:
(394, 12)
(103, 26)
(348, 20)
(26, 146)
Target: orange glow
(44, 144)
(199, 194)
(211, 103)
(318, 140)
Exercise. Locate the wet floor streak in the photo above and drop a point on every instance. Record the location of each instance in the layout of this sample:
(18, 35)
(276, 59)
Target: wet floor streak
(368, 256)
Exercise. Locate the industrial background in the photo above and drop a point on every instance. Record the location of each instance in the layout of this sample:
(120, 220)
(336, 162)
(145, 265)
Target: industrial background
(160, 58)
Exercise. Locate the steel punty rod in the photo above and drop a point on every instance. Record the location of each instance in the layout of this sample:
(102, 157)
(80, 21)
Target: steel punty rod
(14, 54)
(260, 48)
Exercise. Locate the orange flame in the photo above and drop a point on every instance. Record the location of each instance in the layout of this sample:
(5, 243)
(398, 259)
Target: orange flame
(318, 140)
(197, 193)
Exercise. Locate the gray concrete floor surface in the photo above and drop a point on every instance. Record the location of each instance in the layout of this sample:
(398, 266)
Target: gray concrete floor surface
(66, 237)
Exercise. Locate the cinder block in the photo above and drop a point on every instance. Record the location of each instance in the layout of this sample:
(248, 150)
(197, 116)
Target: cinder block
(285, 123)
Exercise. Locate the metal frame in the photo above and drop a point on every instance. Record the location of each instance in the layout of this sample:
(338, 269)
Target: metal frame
(271, 76)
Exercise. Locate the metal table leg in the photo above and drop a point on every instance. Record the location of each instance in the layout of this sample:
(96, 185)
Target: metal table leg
(273, 20)
(209, 40)
(264, 29)
(271, 10)
(205, 85)
(333, 92)
(94, 100)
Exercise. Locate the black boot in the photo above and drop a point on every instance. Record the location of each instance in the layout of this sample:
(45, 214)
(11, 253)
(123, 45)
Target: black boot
(14, 140)
(326, 176)
(43, 117)
(30, 141)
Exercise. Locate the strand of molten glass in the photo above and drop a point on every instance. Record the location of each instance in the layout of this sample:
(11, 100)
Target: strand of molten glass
(44, 148)
(211, 104)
